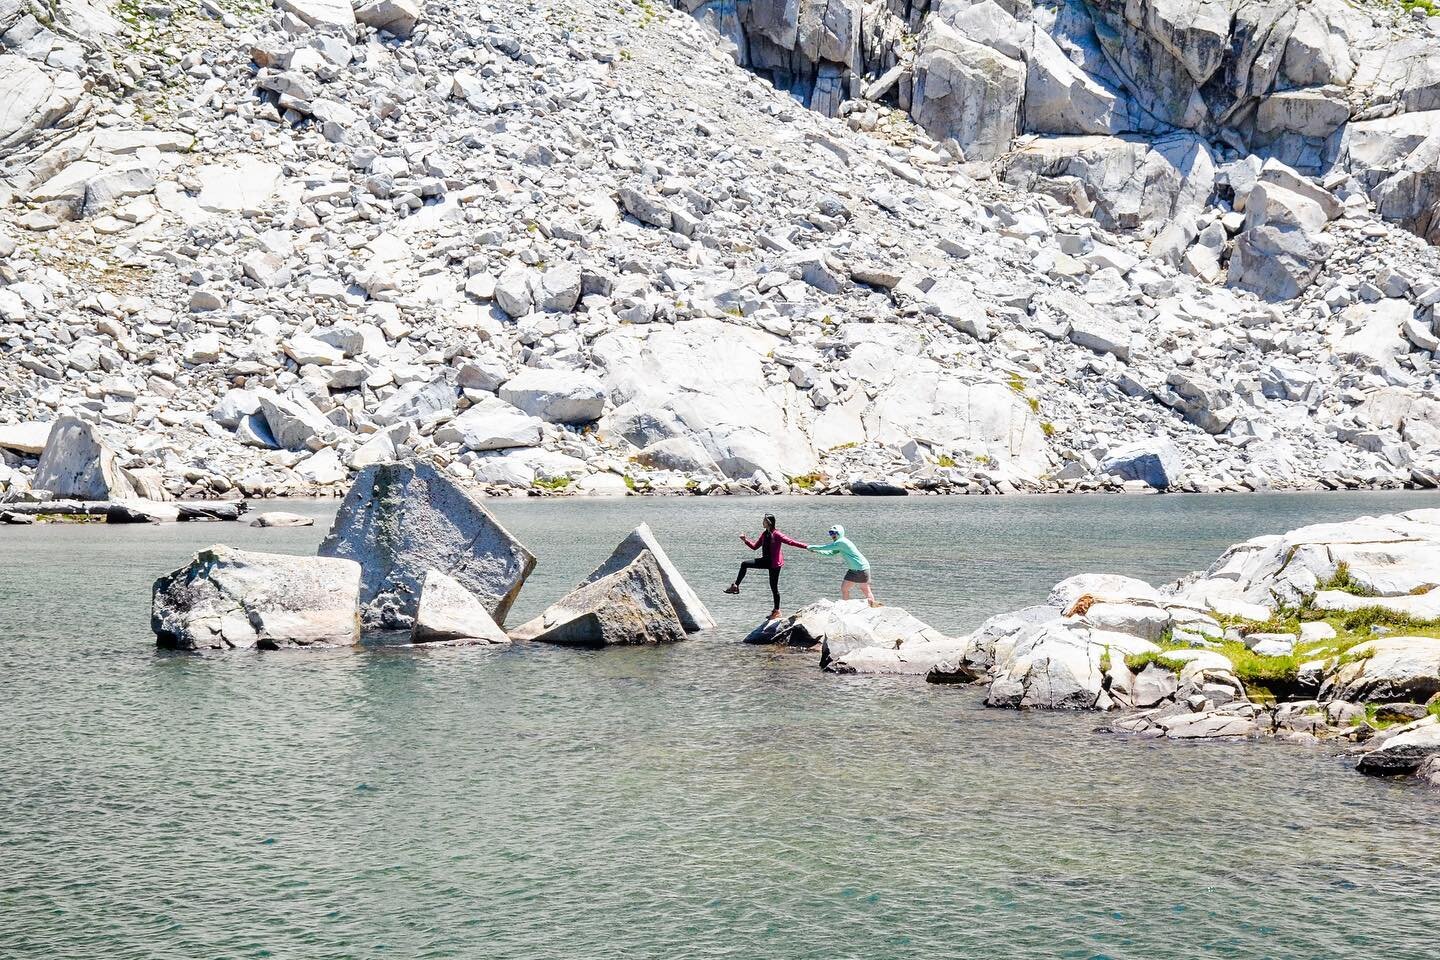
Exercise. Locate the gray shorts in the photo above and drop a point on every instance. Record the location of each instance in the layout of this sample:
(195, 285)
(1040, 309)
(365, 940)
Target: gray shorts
(857, 576)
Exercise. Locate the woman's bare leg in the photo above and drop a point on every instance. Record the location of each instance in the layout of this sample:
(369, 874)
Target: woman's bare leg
(844, 589)
(869, 594)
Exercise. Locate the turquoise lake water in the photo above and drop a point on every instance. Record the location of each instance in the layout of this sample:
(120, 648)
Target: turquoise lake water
(703, 800)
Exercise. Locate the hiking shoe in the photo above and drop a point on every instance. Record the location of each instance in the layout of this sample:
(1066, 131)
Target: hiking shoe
(733, 588)
(775, 614)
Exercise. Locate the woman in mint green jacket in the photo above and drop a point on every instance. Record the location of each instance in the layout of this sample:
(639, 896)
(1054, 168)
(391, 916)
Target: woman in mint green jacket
(857, 567)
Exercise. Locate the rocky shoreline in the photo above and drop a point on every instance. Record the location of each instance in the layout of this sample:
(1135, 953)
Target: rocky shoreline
(1329, 633)
(1326, 634)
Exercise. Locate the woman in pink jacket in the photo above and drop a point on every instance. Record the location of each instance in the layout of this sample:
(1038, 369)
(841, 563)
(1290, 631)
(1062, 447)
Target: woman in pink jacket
(772, 558)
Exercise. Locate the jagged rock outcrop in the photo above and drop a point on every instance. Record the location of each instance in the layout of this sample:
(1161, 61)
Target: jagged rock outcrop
(78, 463)
(1302, 85)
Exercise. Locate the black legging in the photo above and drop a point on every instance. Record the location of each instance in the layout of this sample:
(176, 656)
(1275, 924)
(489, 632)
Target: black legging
(762, 565)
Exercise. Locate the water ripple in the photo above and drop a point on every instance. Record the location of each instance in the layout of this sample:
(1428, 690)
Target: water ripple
(702, 801)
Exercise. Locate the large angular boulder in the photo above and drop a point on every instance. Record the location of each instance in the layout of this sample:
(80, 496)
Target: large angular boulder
(235, 599)
(448, 613)
(1135, 183)
(493, 424)
(966, 90)
(401, 520)
(558, 396)
(397, 17)
(1279, 251)
(28, 437)
(295, 423)
(77, 464)
(628, 607)
(1153, 460)
(688, 605)
(1199, 399)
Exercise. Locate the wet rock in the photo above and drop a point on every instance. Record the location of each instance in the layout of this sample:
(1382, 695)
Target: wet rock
(141, 511)
(1403, 753)
(236, 599)
(1059, 667)
(627, 607)
(1002, 631)
(401, 520)
(854, 637)
(877, 488)
(1209, 725)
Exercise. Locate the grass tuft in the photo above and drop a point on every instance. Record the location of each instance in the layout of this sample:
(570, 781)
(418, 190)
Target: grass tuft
(1343, 581)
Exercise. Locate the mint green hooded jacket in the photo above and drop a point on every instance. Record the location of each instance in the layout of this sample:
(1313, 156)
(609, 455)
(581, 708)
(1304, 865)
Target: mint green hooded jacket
(854, 559)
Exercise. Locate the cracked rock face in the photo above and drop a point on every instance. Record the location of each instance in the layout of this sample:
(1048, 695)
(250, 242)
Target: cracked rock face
(400, 521)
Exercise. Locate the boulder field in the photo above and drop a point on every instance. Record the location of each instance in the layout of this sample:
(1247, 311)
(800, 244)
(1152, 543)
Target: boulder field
(604, 249)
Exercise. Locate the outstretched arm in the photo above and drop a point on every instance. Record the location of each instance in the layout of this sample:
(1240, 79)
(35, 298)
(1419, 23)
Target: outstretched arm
(824, 548)
(790, 541)
(752, 544)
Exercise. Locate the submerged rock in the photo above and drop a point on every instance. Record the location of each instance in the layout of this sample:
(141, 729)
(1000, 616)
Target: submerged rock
(236, 599)
(448, 613)
(401, 520)
(629, 606)
(688, 606)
